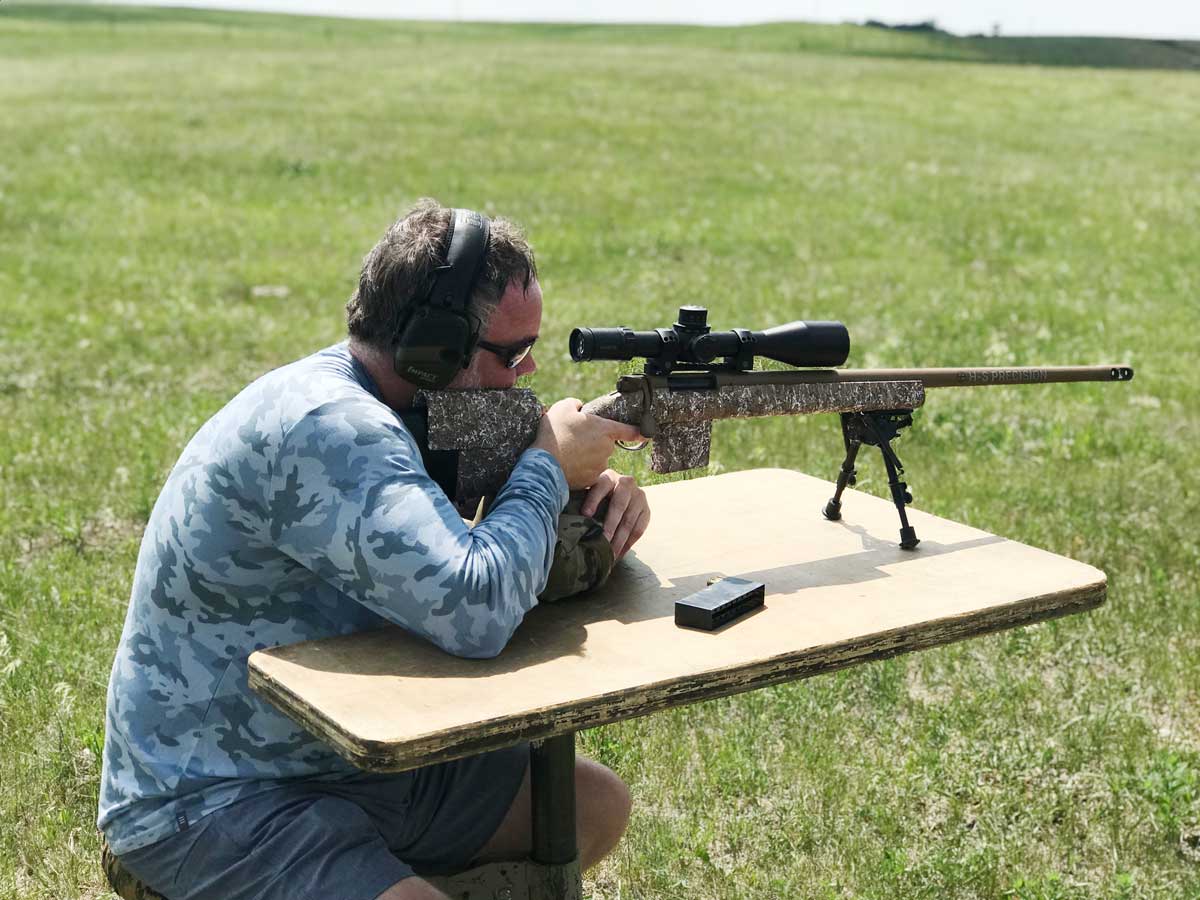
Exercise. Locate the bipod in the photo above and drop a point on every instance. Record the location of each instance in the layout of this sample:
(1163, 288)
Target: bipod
(875, 429)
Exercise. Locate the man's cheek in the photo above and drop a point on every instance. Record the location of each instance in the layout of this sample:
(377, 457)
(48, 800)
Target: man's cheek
(466, 380)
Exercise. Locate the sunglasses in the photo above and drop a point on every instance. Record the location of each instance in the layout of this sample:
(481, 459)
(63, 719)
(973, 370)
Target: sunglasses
(513, 355)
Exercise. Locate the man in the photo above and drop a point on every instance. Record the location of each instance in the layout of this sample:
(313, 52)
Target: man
(302, 510)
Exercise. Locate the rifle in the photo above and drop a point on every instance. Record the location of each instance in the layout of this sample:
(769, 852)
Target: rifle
(683, 388)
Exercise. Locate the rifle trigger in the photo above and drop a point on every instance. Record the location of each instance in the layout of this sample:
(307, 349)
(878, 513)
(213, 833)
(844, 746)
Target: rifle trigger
(648, 425)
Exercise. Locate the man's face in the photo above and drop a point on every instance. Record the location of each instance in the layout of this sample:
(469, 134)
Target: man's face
(515, 321)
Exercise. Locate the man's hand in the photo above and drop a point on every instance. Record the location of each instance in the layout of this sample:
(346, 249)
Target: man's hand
(628, 510)
(581, 443)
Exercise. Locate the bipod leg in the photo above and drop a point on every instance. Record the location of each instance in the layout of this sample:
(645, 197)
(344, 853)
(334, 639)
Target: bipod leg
(847, 475)
(900, 495)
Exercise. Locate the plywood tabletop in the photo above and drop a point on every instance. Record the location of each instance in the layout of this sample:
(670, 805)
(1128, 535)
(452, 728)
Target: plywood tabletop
(837, 594)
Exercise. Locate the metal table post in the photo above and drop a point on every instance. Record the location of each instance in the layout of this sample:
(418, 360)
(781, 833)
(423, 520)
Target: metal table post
(555, 855)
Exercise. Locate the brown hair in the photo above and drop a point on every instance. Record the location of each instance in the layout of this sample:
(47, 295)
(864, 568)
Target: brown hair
(399, 272)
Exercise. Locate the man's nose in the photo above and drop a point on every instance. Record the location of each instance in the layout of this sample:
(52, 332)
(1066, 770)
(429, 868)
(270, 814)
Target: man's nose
(528, 365)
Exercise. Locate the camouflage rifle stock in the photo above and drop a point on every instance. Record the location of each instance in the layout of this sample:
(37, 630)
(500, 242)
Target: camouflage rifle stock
(487, 431)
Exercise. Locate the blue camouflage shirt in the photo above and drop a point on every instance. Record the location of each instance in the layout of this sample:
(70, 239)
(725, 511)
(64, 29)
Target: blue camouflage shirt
(301, 510)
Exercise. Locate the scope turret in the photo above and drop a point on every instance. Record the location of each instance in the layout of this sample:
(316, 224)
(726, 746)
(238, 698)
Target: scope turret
(690, 343)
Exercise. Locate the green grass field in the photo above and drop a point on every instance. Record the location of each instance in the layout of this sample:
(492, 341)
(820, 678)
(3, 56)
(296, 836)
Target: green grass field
(157, 167)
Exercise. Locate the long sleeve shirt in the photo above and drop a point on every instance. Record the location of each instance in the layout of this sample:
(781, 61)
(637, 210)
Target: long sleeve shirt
(301, 510)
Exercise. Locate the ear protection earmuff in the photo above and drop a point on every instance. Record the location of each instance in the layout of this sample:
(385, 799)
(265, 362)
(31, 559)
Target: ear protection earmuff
(437, 338)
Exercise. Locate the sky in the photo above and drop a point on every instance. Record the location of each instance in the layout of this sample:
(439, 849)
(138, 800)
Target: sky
(1148, 18)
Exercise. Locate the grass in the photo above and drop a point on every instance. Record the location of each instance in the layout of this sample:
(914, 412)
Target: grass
(156, 167)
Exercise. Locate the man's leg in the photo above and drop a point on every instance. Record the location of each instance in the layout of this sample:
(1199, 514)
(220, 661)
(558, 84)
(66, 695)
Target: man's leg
(602, 807)
(291, 843)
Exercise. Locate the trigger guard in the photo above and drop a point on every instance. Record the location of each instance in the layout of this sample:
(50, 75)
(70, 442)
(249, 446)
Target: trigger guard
(632, 447)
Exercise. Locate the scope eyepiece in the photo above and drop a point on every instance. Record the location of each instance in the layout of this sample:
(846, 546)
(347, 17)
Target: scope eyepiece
(613, 343)
(581, 343)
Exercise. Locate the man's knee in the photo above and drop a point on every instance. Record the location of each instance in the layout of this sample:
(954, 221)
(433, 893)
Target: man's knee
(412, 889)
(603, 809)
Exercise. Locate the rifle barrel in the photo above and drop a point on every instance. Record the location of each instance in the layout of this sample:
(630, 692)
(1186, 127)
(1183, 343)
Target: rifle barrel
(935, 378)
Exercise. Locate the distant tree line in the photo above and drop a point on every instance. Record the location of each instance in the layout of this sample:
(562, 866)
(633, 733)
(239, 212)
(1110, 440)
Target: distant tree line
(929, 25)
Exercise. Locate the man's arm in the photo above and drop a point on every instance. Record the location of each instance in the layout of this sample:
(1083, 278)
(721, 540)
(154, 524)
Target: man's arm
(352, 502)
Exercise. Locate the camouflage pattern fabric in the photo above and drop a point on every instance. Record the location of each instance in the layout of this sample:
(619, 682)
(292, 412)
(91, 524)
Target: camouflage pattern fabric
(123, 882)
(583, 556)
(300, 511)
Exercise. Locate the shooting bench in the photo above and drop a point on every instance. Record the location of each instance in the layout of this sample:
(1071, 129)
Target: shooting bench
(837, 594)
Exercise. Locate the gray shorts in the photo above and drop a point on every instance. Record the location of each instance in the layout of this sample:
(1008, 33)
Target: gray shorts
(338, 840)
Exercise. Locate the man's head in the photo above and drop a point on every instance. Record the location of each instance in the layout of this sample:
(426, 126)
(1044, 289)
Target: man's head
(399, 272)
(509, 338)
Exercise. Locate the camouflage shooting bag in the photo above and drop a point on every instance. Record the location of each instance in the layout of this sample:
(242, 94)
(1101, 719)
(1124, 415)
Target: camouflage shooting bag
(583, 557)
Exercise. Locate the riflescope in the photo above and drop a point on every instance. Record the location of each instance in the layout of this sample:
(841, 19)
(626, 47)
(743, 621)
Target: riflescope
(690, 343)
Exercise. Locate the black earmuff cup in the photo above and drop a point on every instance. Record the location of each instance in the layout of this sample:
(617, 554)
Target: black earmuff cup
(432, 349)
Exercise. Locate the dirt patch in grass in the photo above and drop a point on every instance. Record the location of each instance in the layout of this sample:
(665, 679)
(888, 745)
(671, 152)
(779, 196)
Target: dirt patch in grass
(1179, 725)
(101, 533)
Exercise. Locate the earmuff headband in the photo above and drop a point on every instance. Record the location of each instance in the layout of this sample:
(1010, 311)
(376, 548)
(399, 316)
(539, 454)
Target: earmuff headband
(455, 281)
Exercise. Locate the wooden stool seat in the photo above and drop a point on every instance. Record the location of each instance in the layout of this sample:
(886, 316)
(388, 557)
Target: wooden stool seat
(123, 882)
